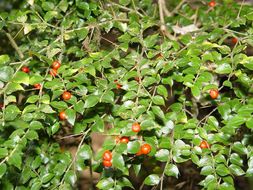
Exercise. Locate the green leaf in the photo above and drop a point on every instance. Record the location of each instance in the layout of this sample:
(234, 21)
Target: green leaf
(35, 125)
(158, 100)
(152, 180)
(98, 125)
(91, 101)
(224, 68)
(3, 152)
(133, 147)
(124, 182)
(21, 77)
(71, 177)
(32, 99)
(236, 170)
(118, 161)
(32, 135)
(4, 59)
(71, 116)
(239, 148)
(105, 183)
(13, 87)
(161, 90)
(207, 170)
(46, 109)
(162, 155)
(124, 2)
(172, 170)
(15, 160)
(11, 112)
(55, 128)
(3, 169)
(222, 170)
(195, 91)
(6, 73)
(85, 152)
(47, 177)
(59, 105)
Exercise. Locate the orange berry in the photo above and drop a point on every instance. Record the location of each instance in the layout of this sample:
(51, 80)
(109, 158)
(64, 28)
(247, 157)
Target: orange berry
(107, 163)
(136, 127)
(62, 115)
(37, 86)
(145, 149)
(66, 95)
(25, 69)
(234, 40)
(214, 93)
(124, 140)
(56, 65)
(107, 155)
(204, 144)
(212, 4)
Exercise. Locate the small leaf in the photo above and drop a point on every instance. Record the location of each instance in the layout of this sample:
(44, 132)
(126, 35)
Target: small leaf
(152, 180)
(171, 170)
(106, 183)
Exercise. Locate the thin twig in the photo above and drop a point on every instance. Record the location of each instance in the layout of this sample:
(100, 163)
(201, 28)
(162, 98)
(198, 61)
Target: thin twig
(15, 46)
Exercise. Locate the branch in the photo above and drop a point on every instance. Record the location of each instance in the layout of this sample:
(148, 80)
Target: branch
(14, 45)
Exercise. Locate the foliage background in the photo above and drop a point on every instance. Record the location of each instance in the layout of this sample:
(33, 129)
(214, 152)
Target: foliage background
(166, 72)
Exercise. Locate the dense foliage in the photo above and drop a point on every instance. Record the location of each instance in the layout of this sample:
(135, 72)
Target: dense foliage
(167, 85)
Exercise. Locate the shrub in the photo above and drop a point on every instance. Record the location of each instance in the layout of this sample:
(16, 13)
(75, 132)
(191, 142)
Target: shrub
(181, 78)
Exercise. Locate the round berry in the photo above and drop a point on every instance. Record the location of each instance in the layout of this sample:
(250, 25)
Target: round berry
(56, 65)
(62, 115)
(234, 40)
(107, 155)
(124, 140)
(25, 69)
(107, 163)
(53, 72)
(37, 86)
(204, 144)
(136, 127)
(118, 86)
(66, 95)
(214, 93)
(145, 149)
(212, 4)
(137, 79)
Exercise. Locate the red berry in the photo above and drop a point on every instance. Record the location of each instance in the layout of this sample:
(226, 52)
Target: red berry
(107, 155)
(136, 127)
(234, 40)
(118, 86)
(107, 163)
(124, 140)
(37, 86)
(53, 72)
(66, 95)
(212, 3)
(214, 93)
(25, 69)
(204, 144)
(56, 65)
(145, 149)
(137, 79)
(62, 115)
